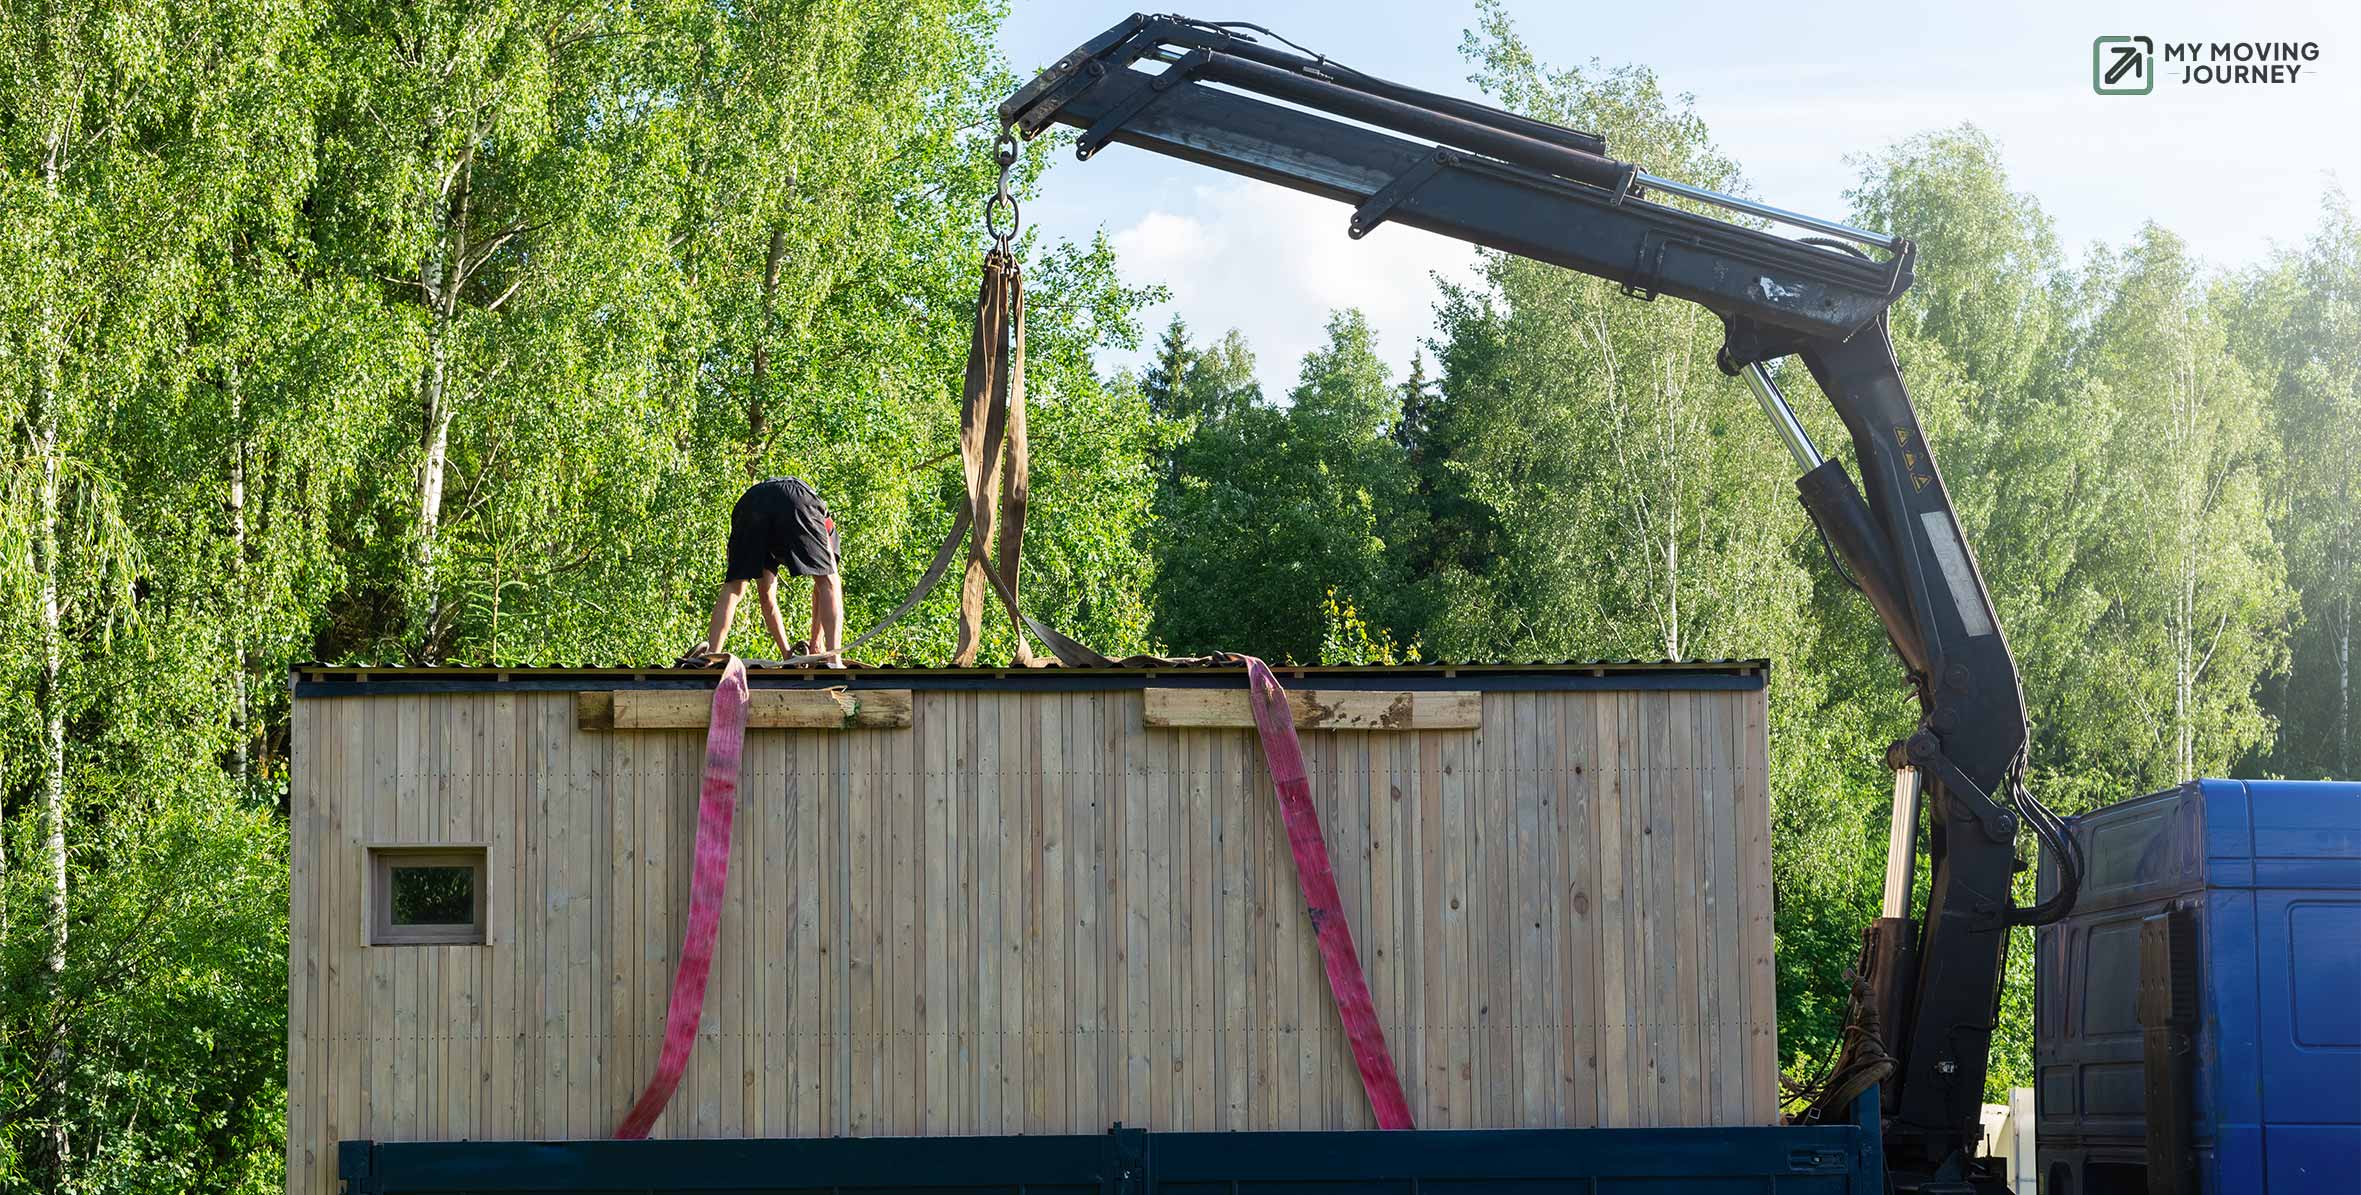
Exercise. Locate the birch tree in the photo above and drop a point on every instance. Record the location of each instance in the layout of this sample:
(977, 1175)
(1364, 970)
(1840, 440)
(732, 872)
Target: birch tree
(121, 153)
(2320, 421)
(265, 268)
(1639, 505)
(2195, 583)
(2298, 328)
(75, 147)
(482, 162)
(806, 123)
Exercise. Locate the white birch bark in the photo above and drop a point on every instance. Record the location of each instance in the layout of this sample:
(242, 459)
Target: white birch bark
(46, 426)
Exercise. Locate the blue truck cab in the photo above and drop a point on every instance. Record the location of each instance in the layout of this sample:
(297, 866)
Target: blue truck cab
(2198, 1014)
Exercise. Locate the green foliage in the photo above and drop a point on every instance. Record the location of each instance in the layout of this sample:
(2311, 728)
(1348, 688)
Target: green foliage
(174, 1008)
(1635, 509)
(376, 332)
(1346, 638)
(2296, 324)
(1632, 506)
(1267, 513)
(2198, 596)
(360, 331)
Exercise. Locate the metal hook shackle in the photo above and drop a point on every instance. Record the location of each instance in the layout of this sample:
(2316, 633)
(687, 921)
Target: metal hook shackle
(1004, 151)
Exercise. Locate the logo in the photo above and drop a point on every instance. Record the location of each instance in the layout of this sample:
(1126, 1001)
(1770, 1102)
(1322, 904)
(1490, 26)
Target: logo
(2126, 65)
(2123, 66)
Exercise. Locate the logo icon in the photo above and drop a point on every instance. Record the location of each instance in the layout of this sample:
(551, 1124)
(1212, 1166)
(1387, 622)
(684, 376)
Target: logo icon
(2123, 66)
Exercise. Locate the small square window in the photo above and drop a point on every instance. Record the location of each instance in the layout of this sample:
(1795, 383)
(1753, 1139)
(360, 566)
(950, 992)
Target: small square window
(426, 896)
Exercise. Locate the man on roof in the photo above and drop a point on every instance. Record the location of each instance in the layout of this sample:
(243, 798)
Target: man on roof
(781, 525)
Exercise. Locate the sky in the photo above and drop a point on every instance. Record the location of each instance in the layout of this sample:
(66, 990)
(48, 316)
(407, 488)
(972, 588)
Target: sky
(1790, 91)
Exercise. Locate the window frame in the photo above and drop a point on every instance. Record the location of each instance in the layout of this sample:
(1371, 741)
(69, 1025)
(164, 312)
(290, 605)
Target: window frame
(382, 862)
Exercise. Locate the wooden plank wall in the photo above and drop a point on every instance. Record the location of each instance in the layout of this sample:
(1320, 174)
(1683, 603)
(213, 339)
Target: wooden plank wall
(1030, 913)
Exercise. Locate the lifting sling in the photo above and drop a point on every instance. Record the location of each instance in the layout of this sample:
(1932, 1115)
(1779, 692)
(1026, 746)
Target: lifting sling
(1347, 984)
(717, 803)
(995, 458)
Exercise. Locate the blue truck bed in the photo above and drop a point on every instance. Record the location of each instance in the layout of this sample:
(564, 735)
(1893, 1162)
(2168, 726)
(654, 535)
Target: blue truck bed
(2240, 903)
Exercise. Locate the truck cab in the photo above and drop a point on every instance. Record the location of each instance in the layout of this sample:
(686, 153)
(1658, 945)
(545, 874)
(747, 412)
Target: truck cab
(2198, 1014)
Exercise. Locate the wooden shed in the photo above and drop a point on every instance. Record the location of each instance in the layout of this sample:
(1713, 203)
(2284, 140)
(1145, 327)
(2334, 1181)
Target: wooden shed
(994, 902)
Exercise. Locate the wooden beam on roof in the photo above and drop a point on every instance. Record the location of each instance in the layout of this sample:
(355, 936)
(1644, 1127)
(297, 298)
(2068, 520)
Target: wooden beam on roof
(766, 709)
(1320, 709)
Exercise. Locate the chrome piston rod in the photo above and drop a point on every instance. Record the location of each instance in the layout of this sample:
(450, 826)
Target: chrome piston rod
(1774, 404)
(1766, 211)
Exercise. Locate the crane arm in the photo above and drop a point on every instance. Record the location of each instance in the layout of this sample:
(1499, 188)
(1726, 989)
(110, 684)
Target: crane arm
(1463, 170)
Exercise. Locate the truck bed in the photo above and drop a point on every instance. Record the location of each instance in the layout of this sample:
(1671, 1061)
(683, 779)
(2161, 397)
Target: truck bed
(1826, 1159)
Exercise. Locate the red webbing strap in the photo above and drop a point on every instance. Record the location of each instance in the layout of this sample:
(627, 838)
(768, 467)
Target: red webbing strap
(725, 741)
(1284, 754)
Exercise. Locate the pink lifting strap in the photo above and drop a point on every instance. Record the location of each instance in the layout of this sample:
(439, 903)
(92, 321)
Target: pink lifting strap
(725, 741)
(1284, 754)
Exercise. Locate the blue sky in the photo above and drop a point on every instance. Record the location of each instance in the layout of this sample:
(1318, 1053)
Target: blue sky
(1789, 91)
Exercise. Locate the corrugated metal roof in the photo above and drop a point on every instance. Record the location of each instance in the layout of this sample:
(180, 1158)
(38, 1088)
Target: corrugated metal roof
(325, 680)
(1423, 668)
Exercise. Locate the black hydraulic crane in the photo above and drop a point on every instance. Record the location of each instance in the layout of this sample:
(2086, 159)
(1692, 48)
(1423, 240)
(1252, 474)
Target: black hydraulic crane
(1214, 94)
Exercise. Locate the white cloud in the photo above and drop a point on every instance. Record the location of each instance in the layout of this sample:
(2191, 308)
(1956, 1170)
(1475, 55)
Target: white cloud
(1274, 263)
(1161, 237)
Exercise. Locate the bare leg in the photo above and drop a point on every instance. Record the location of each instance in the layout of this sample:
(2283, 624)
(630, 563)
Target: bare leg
(767, 591)
(828, 614)
(725, 608)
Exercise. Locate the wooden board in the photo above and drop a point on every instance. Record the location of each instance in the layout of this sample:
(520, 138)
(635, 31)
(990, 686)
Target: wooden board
(1036, 912)
(766, 709)
(1318, 709)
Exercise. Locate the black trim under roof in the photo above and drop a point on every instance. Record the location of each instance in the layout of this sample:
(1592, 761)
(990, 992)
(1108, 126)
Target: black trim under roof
(321, 680)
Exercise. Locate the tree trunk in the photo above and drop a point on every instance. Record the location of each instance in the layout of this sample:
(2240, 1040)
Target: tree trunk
(438, 283)
(2184, 451)
(757, 399)
(2344, 669)
(441, 272)
(48, 697)
(242, 709)
(1672, 588)
(2184, 647)
(2340, 568)
(435, 443)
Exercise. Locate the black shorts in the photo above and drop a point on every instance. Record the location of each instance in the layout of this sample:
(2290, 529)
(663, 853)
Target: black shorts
(781, 525)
